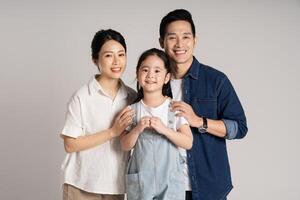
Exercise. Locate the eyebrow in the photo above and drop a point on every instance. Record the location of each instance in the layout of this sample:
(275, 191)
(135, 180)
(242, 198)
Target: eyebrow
(155, 67)
(186, 33)
(121, 51)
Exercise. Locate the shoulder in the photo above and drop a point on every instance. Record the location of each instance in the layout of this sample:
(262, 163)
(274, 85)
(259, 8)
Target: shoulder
(211, 76)
(212, 72)
(137, 103)
(168, 102)
(80, 94)
(132, 95)
(130, 91)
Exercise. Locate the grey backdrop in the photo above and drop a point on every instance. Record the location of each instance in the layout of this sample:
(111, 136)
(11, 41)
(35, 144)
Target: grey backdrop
(45, 57)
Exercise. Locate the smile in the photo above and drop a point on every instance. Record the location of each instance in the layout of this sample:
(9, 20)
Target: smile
(180, 52)
(116, 69)
(150, 82)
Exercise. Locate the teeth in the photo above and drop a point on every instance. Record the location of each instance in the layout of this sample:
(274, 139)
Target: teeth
(180, 52)
(116, 69)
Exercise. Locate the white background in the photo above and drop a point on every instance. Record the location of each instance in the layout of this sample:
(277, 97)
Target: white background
(45, 57)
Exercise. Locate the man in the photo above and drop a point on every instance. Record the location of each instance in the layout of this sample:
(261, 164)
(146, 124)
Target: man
(206, 98)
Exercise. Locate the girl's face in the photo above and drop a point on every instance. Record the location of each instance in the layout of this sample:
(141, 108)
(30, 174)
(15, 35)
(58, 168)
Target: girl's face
(152, 74)
(111, 60)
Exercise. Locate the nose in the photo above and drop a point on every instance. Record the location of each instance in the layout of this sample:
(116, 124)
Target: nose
(116, 60)
(178, 42)
(150, 74)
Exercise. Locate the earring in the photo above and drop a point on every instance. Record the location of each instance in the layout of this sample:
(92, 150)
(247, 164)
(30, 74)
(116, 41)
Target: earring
(99, 69)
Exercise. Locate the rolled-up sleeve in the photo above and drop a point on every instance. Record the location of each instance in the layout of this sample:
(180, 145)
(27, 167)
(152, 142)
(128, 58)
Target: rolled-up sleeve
(231, 128)
(73, 123)
(231, 111)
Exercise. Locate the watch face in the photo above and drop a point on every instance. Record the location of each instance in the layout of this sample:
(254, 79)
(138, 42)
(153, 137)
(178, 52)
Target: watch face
(202, 130)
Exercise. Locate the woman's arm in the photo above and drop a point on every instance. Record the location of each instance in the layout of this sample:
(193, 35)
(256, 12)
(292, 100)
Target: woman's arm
(183, 137)
(89, 141)
(86, 142)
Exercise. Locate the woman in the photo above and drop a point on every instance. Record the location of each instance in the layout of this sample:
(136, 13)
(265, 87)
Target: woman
(95, 164)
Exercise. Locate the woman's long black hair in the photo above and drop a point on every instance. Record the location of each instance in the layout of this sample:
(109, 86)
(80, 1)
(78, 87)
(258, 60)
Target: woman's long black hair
(166, 90)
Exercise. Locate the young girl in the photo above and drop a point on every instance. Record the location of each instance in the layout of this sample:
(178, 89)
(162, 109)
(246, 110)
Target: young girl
(155, 167)
(95, 164)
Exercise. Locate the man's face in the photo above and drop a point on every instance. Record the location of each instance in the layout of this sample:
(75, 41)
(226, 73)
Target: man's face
(179, 42)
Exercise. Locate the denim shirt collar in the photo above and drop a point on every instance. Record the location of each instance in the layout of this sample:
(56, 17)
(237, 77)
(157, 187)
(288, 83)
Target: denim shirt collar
(194, 69)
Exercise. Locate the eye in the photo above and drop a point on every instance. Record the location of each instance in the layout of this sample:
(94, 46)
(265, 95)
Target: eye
(157, 71)
(171, 37)
(144, 70)
(122, 54)
(186, 37)
(108, 55)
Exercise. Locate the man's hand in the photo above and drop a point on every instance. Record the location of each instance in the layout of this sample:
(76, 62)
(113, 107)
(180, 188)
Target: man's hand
(183, 109)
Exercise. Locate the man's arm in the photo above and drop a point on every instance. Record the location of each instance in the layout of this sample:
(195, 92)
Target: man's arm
(215, 127)
(232, 123)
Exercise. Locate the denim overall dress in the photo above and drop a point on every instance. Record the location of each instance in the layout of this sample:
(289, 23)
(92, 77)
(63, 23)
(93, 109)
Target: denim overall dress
(155, 167)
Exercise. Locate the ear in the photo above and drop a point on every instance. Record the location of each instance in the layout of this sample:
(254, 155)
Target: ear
(167, 78)
(95, 61)
(161, 42)
(195, 41)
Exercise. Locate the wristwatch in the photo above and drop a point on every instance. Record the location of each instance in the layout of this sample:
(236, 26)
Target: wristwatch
(203, 128)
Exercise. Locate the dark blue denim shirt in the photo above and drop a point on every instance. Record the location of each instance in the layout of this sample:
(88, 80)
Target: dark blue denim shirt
(211, 95)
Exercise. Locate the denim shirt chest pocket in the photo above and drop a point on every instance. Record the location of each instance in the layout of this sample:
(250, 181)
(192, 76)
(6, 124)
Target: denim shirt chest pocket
(206, 107)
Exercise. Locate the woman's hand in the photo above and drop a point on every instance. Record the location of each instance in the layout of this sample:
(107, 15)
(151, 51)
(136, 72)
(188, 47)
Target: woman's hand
(122, 121)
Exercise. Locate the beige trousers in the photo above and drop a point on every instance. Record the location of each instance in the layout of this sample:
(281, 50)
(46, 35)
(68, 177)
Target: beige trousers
(72, 193)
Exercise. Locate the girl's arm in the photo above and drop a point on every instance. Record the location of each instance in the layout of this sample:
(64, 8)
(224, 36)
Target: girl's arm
(183, 137)
(129, 139)
(89, 141)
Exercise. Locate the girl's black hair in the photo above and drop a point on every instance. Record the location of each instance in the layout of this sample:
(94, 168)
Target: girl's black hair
(103, 36)
(166, 90)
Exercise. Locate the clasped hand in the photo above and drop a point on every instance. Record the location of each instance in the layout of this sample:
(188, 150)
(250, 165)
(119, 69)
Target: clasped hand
(151, 123)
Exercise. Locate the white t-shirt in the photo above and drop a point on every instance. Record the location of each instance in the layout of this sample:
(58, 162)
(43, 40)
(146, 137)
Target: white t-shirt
(100, 169)
(176, 87)
(160, 111)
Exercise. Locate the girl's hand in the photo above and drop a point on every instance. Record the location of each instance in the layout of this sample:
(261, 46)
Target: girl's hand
(158, 125)
(122, 121)
(143, 123)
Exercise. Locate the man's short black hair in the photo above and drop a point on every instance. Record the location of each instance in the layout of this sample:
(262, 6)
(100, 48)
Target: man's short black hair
(175, 15)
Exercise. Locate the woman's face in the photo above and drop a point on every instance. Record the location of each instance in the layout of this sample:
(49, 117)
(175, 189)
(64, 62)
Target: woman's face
(111, 60)
(152, 74)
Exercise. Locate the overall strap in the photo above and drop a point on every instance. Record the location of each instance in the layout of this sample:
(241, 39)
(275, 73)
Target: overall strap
(136, 108)
(171, 118)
